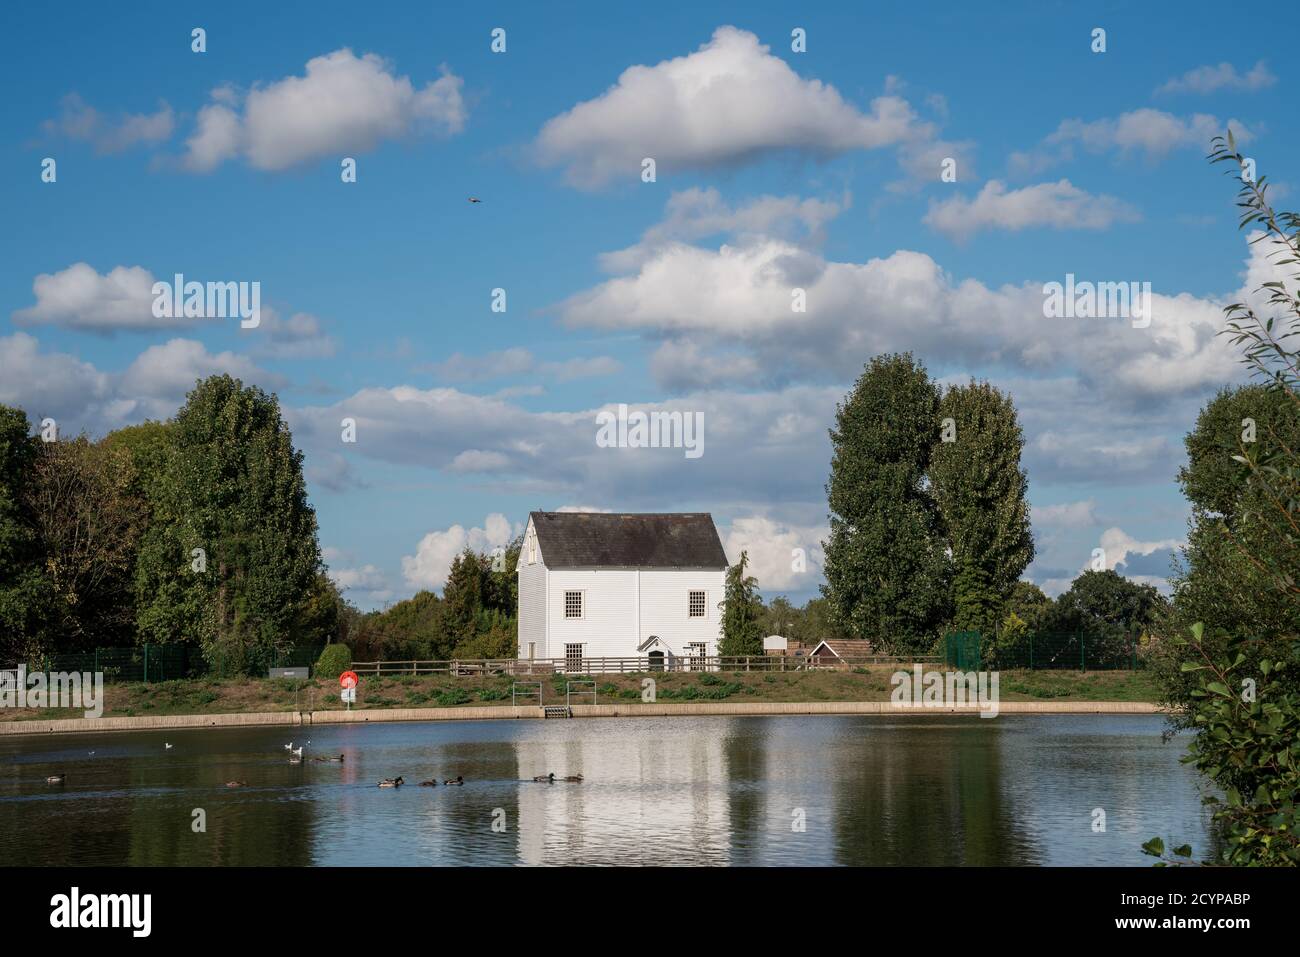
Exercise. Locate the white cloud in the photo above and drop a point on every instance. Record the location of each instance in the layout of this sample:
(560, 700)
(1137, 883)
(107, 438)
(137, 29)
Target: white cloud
(1060, 205)
(1120, 547)
(1065, 515)
(739, 297)
(80, 121)
(1208, 79)
(80, 298)
(775, 549)
(581, 368)
(1152, 133)
(342, 105)
(83, 398)
(300, 336)
(429, 566)
(728, 102)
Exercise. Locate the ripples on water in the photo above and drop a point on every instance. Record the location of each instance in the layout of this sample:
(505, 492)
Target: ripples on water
(1018, 789)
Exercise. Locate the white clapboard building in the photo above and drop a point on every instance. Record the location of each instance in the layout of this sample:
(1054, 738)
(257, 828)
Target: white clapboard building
(605, 585)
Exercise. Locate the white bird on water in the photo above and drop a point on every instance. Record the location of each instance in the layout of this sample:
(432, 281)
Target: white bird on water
(296, 752)
(166, 746)
(289, 746)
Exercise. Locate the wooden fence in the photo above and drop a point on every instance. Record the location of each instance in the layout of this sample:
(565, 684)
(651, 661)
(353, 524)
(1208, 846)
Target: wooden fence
(603, 666)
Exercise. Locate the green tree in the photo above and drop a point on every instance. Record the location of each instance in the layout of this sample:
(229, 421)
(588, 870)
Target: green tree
(980, 490)
(1107, 611)
(24, 596)
(742, 612)
(1244, 701)
(887, 574)
(231, 557)
(88, 524)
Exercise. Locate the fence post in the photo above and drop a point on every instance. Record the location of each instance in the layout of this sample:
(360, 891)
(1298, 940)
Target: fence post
(1082, 640)
(1031, 651)
(146, 663)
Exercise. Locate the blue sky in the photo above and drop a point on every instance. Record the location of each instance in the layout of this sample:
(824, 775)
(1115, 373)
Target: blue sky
(775, 169)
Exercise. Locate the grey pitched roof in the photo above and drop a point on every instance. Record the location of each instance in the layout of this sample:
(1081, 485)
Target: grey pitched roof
(610, 540)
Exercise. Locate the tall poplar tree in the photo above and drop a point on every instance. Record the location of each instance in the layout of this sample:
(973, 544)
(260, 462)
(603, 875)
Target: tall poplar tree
(231, 558)
(980, 489)
(886, 569)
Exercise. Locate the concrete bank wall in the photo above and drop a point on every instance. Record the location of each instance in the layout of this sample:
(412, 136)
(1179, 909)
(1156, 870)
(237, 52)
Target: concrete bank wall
(630, 710)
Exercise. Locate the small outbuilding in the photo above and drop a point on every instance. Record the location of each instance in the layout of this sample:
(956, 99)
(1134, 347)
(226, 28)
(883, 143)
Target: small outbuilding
(839, 653)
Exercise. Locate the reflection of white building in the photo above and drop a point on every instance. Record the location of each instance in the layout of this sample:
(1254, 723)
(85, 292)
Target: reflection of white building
(645, 798)
(603, 585)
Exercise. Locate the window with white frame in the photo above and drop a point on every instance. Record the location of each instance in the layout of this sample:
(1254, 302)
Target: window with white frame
(697, 604)
(573, 604)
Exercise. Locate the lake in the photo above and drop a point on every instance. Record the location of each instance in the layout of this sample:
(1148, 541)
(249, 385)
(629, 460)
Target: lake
(815, 790)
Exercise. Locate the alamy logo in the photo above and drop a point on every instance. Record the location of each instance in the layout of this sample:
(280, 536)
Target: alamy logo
(103, 910)
(1100, 300)
(212, 300)
(60, 689)
(651, 430)
(946, 689)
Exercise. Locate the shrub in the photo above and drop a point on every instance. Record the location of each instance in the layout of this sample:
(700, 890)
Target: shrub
(451, 696)
(333, 661)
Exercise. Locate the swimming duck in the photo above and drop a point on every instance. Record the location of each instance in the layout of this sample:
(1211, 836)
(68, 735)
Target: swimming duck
(429, 784)
(56, 779)
(236, 784)
(575, 778)
(296, 752)
(166, 746)
(391, 782)
(459, 781)
(289, 746)
(545, 778)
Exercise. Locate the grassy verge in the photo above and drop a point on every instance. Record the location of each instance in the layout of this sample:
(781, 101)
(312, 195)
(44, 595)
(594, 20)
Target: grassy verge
(231, 696)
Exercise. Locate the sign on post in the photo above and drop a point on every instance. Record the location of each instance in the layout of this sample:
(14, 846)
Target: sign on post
(348, 682)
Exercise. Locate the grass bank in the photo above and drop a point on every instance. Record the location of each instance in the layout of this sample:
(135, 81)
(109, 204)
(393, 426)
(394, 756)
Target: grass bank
(238, 696)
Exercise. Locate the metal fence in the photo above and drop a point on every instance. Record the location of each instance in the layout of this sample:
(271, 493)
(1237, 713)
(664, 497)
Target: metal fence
(1077, 650)
(149, 663)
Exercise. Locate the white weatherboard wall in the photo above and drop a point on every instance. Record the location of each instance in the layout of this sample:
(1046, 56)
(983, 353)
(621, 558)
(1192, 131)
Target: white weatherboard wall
(607, 628)
(665, 595)
(532, 610)
(623, 607)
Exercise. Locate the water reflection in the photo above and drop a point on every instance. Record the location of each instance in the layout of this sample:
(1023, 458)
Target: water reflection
(748, 791)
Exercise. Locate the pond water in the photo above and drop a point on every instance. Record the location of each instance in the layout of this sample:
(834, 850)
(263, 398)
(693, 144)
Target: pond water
(853, 790)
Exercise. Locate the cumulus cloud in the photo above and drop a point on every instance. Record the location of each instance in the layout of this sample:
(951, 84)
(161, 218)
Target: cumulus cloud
(1060, 205)
(1081, 514)
(781, 436)
(429, 566)
(738, 297)
(1208, 79)
(459, 367)
(781, 556)
(78, 120)
(83, 398)
(299, 336)
(1151, 133)
(80, 298)
(1122, 549)
(728, 102)
(342, 105)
